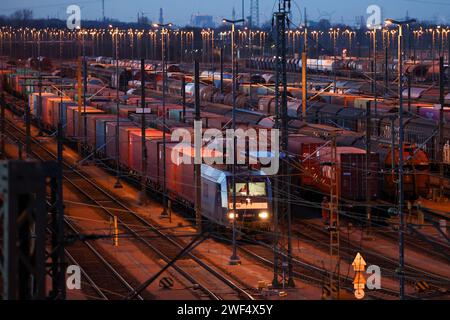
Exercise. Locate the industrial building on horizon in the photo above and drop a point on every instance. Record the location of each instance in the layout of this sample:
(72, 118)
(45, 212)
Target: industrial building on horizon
(202, 21)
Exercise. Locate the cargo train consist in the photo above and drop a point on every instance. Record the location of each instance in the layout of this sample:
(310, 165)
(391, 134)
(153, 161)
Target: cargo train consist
(321, 116)
(356, 67)
(253, 187)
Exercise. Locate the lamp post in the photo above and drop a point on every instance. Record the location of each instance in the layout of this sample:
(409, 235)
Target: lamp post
(400, 25)
(164, 29)
(234, 259)
(115, 34)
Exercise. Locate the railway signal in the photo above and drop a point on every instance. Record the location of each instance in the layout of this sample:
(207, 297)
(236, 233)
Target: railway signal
(359, 282)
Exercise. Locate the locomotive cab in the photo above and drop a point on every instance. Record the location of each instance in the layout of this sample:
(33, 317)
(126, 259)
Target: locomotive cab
(253, 198)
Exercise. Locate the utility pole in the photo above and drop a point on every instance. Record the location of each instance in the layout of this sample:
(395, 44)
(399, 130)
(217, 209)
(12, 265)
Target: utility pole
(401, 195)
(2, 124)
(163, 64)
(27, 129)
(368, 171)
(85, 84)
(79, 94)
(143, 139)
(39, 107)
(441, 123)
(234, 259)
(304, 71)
(197, 165)
(400, 164)
(369, 129)
(221, 69)
(386, 71)
(282, 209)
(375, 73)
(409, 78)
(164, 29)
(335, 254)
(118, 184)
(183, 96)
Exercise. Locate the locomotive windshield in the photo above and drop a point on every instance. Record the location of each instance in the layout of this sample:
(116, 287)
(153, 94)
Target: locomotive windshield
(250, 189)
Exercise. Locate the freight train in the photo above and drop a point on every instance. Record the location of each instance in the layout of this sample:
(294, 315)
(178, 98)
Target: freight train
(349, 119)
(253, 187)
(356, 67)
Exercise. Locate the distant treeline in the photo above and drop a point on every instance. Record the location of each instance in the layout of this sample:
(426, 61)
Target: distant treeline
(24, 18)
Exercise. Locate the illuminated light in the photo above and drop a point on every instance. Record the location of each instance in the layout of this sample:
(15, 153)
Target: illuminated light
(263, 215)
(232, 215)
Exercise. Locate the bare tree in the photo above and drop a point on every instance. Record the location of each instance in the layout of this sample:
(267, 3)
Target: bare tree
(22, 15)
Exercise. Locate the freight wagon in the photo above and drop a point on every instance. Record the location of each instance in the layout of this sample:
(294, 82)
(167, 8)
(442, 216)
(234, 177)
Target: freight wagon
(351, 172)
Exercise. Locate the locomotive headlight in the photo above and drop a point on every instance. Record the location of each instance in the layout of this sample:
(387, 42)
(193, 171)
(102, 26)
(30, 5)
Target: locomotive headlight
(263, 215)
(232, 215)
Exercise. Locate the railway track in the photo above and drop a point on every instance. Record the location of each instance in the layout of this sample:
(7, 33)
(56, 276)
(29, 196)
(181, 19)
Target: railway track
(163, 245)
(320, 238)
(112, 205)
(100, 279)
(105, 281)
(429, 247)
(307, 272)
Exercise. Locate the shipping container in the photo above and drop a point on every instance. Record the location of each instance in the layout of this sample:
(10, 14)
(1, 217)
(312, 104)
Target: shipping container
(110, 137)
(135, 162)
(50, 111)
(57, 108)
(124, 110)
(136, 101)
(72, 120)
(351, 173)
(100, 133)
(180, 169)
(124, 144)
(302, 148)
(33, 101)
(92, 128)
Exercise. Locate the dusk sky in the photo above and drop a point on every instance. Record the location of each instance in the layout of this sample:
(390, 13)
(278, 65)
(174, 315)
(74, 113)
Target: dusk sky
(180, 11)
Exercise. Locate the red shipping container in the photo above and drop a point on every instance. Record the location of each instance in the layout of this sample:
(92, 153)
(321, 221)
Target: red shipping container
(72, 120)
(352, 172)
(180, 176)
(154, 167)
(303, 147)
(136, 147)
(111, 136)
(124, 144)
(92, 128)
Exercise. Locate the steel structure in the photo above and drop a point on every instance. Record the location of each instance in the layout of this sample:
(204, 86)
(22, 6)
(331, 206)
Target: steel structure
(234, 259)
(254, 13)
(335, 251)
(401, 195)
(282, 186)
(28, 254)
